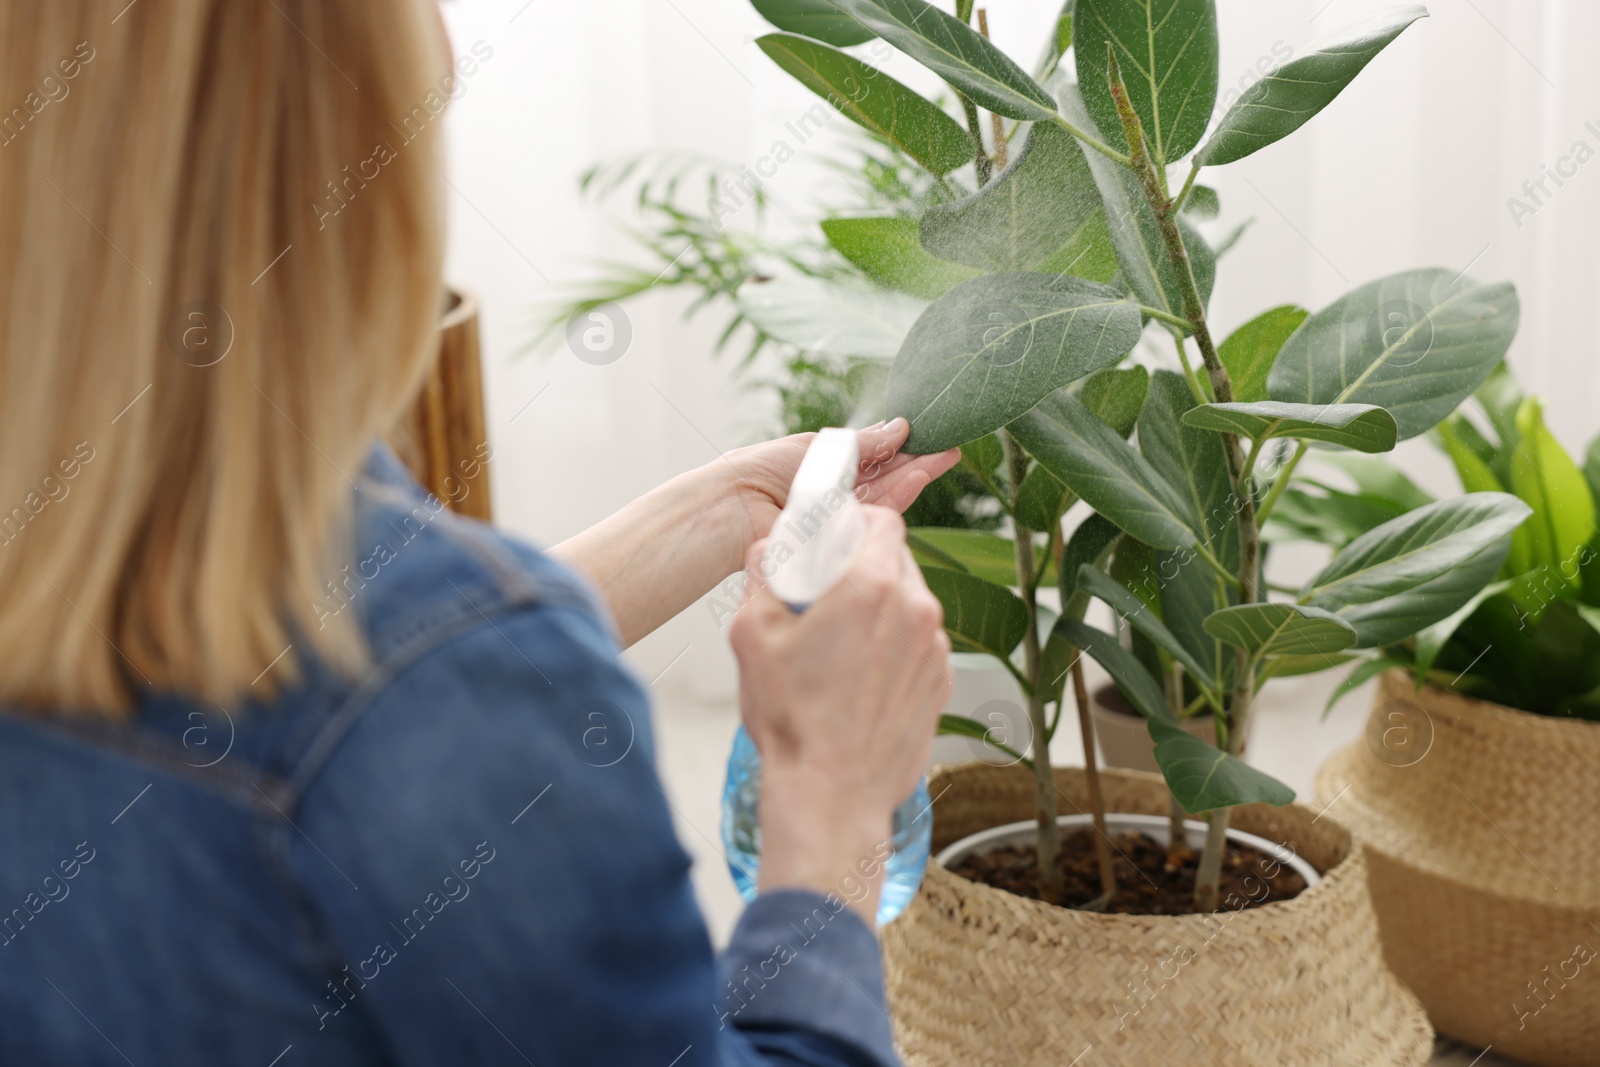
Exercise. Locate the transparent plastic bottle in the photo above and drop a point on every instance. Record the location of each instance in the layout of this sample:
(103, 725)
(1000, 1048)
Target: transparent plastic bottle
(911, 837)
(812, 544)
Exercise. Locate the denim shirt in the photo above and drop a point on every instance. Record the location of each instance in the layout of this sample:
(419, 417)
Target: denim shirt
(463, 856)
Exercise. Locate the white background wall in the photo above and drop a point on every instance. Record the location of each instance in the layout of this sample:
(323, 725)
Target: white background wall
(1412, 167)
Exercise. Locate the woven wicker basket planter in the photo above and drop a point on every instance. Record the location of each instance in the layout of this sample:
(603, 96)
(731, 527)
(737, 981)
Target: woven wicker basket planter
(980, 976)
(1479, 824)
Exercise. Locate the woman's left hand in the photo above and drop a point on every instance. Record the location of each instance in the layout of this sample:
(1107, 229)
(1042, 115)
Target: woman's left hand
(888, 477)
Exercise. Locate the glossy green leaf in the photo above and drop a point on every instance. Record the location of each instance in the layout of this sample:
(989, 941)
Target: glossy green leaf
(985, 555)
(1249, 351)
(1279, 629)
(979, 616)
(1192, 461)
(1591, 467)
(1431, 641)
(993, 347)
(957, 726)
(1549, 482)
(1360, 674)
(1042, 500)
(1203, 203)
(1103, 469)
(983, 455)
(956, 52)
(1500, 396)
(1086, 545)
(831, 318)
(1289, 96)
(1167, 50)
(1417, 569)
(1296, 666)
(1057, 45)
(1204, 778)
(1116, 396)
(1136, 683)
(888, 251)
(817, 19)
(1137, 614)
(869, 97)
(1044, 202)
(1475, 474)
(1415, 344)
(1361, 427)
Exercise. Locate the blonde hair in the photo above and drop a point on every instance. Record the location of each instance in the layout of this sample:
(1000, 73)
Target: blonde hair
(197, 349)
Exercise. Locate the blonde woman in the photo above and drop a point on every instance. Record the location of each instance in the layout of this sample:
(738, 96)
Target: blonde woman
(238, 826)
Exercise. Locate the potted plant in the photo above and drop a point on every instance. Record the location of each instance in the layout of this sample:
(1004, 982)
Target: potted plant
(1486, 724)
(1037, 286)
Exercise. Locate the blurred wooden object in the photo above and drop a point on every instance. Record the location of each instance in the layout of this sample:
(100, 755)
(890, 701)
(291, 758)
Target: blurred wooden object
(443, 439)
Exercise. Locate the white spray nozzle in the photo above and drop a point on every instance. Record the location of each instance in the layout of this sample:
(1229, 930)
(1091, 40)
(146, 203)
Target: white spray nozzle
(821, 527)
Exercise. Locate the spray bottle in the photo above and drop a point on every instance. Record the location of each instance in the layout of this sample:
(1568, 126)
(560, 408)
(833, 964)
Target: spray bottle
(811, 547)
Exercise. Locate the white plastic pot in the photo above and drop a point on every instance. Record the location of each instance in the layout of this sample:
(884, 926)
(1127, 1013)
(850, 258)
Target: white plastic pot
(1154, 826)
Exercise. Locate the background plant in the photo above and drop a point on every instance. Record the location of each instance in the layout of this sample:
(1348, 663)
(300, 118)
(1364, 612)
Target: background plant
(1040, 283)
(1530, 639)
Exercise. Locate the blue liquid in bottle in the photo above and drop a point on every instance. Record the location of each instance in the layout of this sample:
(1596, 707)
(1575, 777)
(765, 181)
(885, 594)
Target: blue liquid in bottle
(912, 833)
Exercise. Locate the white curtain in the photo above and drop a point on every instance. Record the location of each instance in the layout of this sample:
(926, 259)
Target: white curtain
(1415, 165)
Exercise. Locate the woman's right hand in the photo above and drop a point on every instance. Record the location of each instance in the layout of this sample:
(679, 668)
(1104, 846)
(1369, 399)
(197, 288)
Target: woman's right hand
(843, 702)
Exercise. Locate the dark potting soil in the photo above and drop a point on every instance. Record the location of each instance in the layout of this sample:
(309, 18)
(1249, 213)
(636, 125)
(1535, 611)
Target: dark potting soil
(1145, 886)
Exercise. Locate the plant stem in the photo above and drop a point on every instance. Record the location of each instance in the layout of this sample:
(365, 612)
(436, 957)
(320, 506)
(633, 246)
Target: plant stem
(1189, 375)
(1099, 146)
(980, 158)
(1237, 721)
(1167, 317)
(1178, 850)
(996, 122)
(1044, 783)
(1091, 777)
(1188, 184)
(1280, 483)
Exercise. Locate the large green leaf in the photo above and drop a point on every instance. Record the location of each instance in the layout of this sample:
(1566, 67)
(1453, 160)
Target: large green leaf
(1167, 50)
(1549, 482)
(1416, 344)
(1332, 517)
(979, 616)
(869, 97)
(1475, 473)
(985, 555)
(1136, 683)
(1087, 545)
(1045, 201)
(1361, 427)
(1134, 230)
(1192, 461)
(1137, 614)
(956, 52)
(1204, 778)
(1103, 469)
(888, 251)
(1116, 396)
(1249, 351)
(813, 18)
(831, 318)
(995, 346)
(1279, 629)
(1431, 641)
(1417, 569)
(1289, 96)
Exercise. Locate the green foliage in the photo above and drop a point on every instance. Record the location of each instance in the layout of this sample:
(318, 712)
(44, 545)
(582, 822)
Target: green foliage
(995, 346)
(873, 100)
(1415, 344)
(1042, 280)
(814, 18)
(1286, 99)
(1168, 55)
